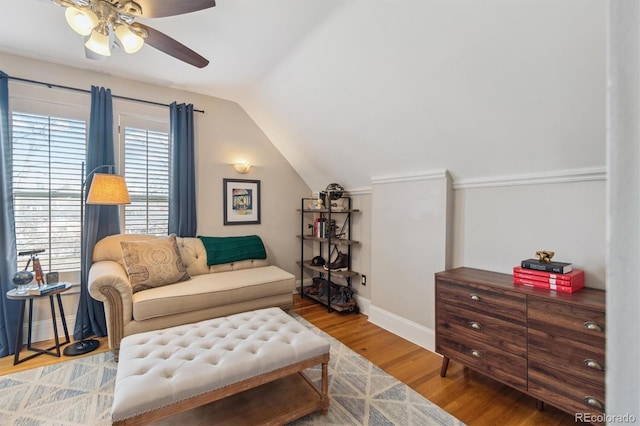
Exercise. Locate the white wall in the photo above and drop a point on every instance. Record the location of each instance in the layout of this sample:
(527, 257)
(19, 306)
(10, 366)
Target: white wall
(623, 212)
(500, 222)
(410, 217)
(361, 261)
(489, 224)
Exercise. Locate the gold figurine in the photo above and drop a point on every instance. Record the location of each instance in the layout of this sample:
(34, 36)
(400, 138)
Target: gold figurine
(544, 255)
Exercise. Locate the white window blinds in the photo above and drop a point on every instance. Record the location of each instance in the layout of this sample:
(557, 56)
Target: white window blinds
(146, 159)
(47, 155)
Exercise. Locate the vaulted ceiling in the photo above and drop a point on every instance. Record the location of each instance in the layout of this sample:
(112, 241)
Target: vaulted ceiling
(354, 90)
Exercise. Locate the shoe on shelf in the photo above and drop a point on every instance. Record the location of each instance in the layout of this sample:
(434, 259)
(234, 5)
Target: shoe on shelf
(314, 288)
(341, 263)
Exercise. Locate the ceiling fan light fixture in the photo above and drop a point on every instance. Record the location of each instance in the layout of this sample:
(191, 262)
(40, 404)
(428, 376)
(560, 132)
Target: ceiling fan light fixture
(131, 42)
(90, 54)
(99, 41)
(83, 21)
(110, 25)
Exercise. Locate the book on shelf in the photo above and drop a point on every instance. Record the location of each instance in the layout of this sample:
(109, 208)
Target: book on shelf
(557, 267)
(548, 286)
(574, 277)
(46, 289)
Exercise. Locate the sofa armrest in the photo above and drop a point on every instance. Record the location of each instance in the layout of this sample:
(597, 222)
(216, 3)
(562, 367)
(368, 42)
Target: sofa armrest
(109, 283)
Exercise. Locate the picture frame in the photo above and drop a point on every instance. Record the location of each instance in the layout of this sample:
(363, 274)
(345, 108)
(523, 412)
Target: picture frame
(52, 278)
(241, 201)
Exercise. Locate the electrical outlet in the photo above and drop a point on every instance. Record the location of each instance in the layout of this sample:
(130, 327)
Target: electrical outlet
(364, 280)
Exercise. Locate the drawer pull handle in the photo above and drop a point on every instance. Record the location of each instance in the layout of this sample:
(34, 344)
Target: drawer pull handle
(594, 402)
(475, 353)
(475, 297)
(592, 363)
(475, 325)
(590, 325)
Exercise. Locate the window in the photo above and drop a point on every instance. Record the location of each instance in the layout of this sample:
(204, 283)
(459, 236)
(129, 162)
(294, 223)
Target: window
(47, 155)
(48, 147)
(146, 170)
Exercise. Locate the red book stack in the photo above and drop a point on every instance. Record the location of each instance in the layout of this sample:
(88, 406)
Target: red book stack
(564, 283)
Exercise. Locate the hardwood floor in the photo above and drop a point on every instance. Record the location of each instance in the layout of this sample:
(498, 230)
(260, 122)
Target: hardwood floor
(7, 367)
(469, 396)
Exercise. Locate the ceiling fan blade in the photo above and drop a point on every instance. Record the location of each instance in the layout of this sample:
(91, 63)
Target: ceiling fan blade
(163, 8)
(171, 47)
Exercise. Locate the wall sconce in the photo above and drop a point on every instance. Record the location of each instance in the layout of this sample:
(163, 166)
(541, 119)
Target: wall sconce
(242, 167)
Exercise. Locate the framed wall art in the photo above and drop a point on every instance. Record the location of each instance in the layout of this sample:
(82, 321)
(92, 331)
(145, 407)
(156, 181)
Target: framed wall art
(241, 201)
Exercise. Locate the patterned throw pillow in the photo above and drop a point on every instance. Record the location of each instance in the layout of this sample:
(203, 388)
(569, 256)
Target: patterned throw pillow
(153, 263)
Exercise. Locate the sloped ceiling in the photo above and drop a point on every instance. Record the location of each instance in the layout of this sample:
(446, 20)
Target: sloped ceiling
(354, 90)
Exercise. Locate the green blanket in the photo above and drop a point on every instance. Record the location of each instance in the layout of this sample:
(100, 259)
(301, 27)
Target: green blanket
(232, 249)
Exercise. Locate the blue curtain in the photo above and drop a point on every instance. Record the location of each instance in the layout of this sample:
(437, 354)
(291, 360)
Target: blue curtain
(99, 221)
(10, 309)
(182, 186)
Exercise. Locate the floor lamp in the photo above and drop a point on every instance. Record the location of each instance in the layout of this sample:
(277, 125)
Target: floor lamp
(106, 189)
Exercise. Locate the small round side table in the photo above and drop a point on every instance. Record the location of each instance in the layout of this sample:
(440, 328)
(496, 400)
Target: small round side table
(13, 294)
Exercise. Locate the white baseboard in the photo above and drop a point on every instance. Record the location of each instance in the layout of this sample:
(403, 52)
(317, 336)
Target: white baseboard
(43, 330)
(415, 333)
(364, 304)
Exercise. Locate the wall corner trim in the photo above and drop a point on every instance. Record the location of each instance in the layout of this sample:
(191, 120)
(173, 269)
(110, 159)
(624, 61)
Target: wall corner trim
(358, 191)
(430, 175)
(559, 176)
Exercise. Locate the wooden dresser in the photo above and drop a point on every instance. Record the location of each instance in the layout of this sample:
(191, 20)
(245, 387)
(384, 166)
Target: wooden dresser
(546, 344)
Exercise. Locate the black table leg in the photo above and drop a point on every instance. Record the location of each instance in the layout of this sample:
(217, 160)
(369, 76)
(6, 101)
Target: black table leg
(30, 328)
(38, 351)
(55, 327)
(64, 321)
(19, 334)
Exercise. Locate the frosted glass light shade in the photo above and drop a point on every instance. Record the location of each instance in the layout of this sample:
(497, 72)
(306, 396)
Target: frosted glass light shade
(82, 21)
(131, 42)
(89, 54)
(99, 42)
(242, 167)
(108, 189)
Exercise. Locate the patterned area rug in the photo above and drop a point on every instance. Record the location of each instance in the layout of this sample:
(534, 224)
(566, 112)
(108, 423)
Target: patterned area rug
(79, 392)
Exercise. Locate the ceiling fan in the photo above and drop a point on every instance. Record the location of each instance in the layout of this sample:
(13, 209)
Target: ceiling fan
(108, 25)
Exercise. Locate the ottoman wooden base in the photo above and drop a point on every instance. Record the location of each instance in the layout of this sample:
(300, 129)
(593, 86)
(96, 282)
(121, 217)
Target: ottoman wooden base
(275, 403)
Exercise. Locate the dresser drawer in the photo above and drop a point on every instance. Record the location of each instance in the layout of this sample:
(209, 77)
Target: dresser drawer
(489, 330)
(509, 306)
(564, 390)
(574, 322)
(499, 364)
(583, 361)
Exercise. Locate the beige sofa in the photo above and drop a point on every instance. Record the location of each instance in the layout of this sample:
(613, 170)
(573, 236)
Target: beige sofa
(211, 292)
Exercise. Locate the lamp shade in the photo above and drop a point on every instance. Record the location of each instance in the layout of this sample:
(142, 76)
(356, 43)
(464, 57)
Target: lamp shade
(99, 41)
(108, 189)
(131, 42)
(82, 21)
(242, 167)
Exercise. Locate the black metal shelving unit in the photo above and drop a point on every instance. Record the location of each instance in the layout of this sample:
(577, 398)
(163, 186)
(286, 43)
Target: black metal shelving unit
(329, 242)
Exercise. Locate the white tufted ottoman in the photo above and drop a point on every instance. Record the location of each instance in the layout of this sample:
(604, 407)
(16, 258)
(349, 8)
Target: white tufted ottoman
(164, 372)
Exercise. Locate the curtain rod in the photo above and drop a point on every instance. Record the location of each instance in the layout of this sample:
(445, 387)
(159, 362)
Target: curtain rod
(75, 89)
